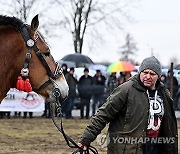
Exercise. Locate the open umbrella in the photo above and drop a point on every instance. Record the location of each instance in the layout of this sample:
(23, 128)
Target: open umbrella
(121, 66)
(177, 67)
(100, 67)
(68, 63)
(77, 58)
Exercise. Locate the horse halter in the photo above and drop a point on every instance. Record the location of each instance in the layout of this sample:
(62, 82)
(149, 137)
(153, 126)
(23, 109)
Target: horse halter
(56, 100)
(31, 45)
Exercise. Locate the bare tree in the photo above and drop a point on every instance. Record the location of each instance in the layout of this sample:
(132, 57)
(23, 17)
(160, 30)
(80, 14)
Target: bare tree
(128, 49)
(19, 8)
(25, 10)
(82, 17)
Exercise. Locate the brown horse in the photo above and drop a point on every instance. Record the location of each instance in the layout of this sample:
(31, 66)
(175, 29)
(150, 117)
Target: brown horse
(24, 51)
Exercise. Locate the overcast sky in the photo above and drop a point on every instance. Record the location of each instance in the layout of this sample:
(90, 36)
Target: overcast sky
(157, 31)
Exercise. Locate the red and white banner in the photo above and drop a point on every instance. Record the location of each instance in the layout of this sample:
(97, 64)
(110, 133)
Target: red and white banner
(22, 101)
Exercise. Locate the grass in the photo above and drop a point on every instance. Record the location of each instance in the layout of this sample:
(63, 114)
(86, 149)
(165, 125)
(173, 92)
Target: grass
(40, 136)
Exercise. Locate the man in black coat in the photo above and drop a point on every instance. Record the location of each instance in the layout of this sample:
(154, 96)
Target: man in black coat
(175, 87)
(85, 92)
(72, 83)
(98, 90)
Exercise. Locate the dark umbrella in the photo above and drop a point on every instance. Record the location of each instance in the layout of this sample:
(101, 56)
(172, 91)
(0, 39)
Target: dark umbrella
(177, 67)
(78, 58)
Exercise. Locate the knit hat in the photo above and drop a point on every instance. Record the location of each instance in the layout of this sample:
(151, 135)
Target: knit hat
(151, 63)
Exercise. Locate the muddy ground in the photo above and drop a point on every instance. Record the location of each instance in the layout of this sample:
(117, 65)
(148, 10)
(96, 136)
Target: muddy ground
(40, 136)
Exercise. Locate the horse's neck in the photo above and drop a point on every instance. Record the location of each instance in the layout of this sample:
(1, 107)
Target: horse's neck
(11, 59)
(10, 66)
(7, 80)
(9, 71)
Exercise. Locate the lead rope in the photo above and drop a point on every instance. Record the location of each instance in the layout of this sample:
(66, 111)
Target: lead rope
(70, 142)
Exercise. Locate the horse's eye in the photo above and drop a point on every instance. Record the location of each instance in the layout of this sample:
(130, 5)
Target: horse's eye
(47, 54)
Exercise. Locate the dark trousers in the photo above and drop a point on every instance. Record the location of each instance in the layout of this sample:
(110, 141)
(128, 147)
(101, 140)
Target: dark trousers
(5, 114)
(47, 110)
(17, 114)
(85, 102)
(97, 99)
(69, 107)
(30, 114)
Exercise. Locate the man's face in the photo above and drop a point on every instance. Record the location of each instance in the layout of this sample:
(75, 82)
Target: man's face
(86, 73)
(148, 78)
(71, 71)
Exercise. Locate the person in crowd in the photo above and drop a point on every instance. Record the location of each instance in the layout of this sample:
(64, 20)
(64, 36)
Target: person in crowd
(163, 78)
(85, 85)
(139, 113)
(127, 75)
(124, 76)
(121, 79)
(72, 83)
(98, 90)
(112, 82)
(175, 87)
(64, 67)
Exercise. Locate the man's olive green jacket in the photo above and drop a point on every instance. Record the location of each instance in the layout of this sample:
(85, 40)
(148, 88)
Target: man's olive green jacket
(127, 111)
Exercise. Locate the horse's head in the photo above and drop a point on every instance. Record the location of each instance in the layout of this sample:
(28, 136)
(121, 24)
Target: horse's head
(44, 73)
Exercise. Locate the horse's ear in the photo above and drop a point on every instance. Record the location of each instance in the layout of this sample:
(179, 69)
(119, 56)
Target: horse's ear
(35, 23)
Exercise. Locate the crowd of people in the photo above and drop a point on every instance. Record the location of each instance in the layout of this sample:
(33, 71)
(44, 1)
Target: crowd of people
(92, 91)
(89, 89)
(86, 88)
(166, 79)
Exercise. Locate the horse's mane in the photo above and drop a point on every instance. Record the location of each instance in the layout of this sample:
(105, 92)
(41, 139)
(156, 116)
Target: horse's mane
(11, 22)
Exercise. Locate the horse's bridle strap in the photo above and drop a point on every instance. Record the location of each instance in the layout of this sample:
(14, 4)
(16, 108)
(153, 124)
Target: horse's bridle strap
(31, 45)
(26, 37)
(43, 85)
(40, 56)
